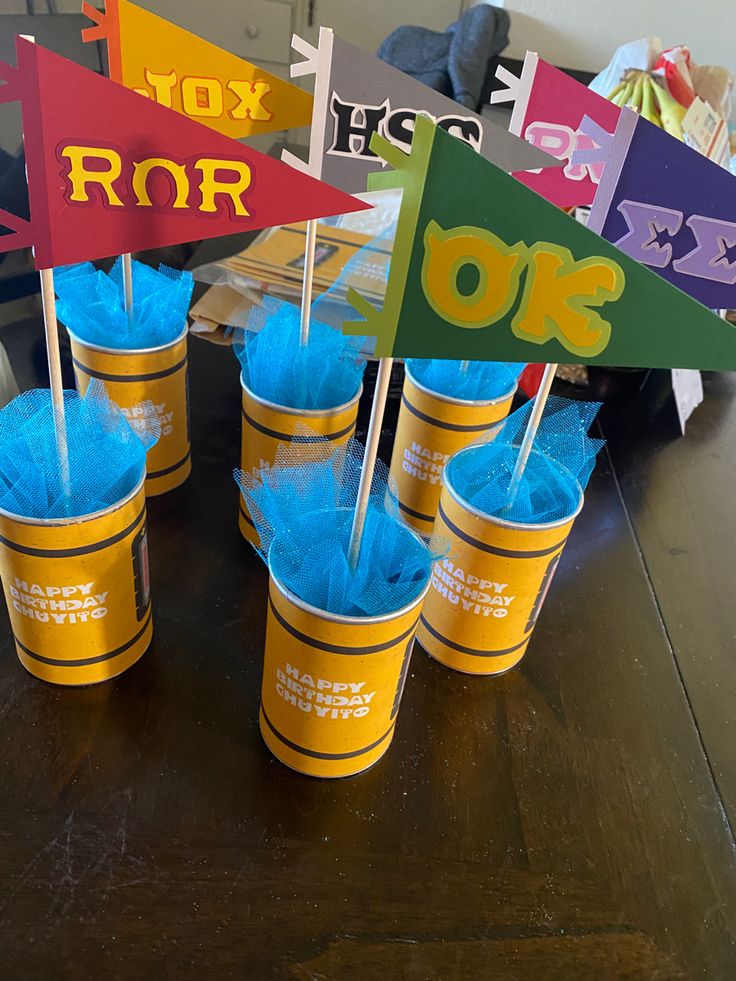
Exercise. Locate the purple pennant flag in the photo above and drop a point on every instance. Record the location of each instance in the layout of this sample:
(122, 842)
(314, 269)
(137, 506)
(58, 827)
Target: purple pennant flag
(671, 209)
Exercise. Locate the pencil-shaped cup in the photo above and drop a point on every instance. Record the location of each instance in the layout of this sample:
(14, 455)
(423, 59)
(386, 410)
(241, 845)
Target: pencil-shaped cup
(158, 374)
(266, 426)
(77, 591)
(485, 597)
(332, 685)
(431, 428)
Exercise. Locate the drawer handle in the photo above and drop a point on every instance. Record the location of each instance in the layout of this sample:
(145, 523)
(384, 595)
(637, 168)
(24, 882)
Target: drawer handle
(252, 31)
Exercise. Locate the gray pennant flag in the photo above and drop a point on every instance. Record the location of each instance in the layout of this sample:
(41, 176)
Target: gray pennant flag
(357, 95)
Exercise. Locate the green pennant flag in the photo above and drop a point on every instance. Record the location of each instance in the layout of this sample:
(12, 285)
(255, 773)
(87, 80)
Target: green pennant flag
(485, 269)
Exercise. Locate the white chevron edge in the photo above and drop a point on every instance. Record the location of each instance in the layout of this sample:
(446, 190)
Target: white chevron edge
(512, 83)
(297, 163)
(523, 91)
(307, 51)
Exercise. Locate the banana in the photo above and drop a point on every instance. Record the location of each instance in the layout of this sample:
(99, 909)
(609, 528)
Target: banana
(616, 90)
(642, 92)
(656, 115)
(624, 93)
(634, 102)
(648, 105)
(670, 111)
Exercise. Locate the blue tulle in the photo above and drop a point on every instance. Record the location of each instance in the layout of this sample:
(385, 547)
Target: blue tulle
(106, 457)
(471, 381)
(325, 373)
(303, 514)
(91, 304)
(555, 476)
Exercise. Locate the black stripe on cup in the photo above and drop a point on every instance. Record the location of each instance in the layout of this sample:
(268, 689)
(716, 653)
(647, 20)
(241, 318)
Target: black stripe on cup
(244, 514)
(296, 437)
(494, 549)
(82, 662)
(440, 424)
(323, 756)
(153, 474)
(334, 648)
(151, 376)
(67, 553)
(402, 678)
(414, 514)
(472, 651)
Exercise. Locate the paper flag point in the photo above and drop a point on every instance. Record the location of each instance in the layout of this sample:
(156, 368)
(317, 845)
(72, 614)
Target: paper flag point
(485, 269)
(549, 107)
(181, 71)
(670, 208)
(357, 95)
(109, 172)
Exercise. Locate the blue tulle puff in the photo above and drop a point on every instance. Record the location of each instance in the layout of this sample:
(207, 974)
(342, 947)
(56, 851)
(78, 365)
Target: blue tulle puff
(107, 458)
(303, 513)
(325, 373)
(555, 476)
(91, 304)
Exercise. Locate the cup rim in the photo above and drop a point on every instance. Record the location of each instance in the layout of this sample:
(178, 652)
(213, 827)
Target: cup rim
(122, 351)
(291, 411)
(341, 617)
(451, 400)
(504, 522)
(76, 519)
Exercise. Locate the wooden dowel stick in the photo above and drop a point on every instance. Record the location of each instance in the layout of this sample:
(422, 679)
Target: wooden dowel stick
(128, 281)
(51, 329)
(383, 379)
(531, 431)
(308, 280)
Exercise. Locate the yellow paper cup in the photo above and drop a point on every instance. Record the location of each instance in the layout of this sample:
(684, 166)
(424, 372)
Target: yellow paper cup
(266, 426)
(485, 597)
(431, 428)
(158, 374)
(78, 591)
(332, 685)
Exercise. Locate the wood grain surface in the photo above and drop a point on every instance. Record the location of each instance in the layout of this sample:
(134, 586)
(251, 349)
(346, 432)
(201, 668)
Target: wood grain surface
(559, 823)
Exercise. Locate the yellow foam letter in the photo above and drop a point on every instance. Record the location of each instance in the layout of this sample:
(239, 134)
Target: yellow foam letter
(498, 267)
(210, 186)
(250, 95)
(201, 96)
(79, 176)
(558, 295)
(161, 85)
(140, 180)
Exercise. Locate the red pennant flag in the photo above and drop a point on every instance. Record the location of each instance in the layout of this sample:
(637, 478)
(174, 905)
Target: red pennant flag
(109, 172)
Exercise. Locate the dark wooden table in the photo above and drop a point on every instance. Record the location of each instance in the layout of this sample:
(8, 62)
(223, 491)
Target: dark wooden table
(563, 822)
(680, 495)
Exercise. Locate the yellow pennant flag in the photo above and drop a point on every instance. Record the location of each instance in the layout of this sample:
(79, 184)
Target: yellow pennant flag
(179, 70)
